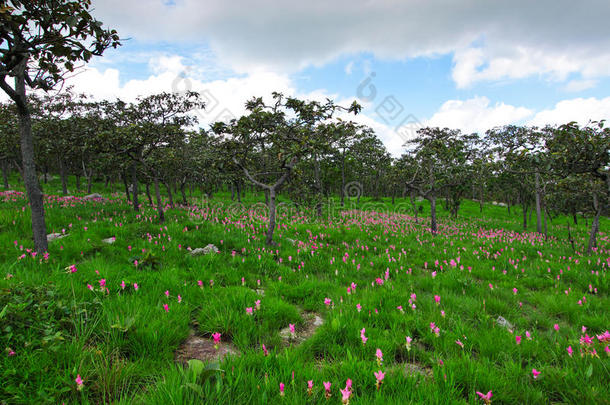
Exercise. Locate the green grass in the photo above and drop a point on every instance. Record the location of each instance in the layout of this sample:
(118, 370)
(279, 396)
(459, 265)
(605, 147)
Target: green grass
(122, 341)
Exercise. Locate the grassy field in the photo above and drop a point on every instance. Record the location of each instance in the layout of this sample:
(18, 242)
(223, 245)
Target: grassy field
(484, 305)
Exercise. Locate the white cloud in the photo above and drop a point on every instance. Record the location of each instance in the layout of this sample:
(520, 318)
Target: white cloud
(512, 39)
(581, 110)
(476, 115)
(349, 67)
(580, 85)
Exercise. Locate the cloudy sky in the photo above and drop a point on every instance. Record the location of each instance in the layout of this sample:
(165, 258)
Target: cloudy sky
(463, 64)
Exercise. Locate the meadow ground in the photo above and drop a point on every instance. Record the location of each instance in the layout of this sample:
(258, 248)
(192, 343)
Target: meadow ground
(484, 306)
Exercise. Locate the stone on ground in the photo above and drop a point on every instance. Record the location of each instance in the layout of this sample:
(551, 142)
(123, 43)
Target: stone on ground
(197, 347)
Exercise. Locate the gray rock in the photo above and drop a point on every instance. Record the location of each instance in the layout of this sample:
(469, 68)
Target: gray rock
(55, 236)
(94, 196)
(504, 323)
(110, 240)
(205, 250)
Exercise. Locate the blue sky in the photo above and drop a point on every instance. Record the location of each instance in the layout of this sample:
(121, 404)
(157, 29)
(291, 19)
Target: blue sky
(470, 65)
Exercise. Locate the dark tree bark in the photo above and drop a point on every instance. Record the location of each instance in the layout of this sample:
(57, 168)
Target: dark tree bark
(159, 202)
(183, 192)
(62, 175)
(32, 186)
(150, 201)
(538, 202)
(594, 225)
(343, 178)
(433, 226)
(239, 191)
(134, 182)
(414, 205)
(169, 194)
(124, 176)
(270, 193)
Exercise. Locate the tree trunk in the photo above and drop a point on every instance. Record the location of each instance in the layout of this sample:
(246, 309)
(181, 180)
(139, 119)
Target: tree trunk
(413, 205)
(159, 202)
(39, 228)
(77, 176)
(124, 176)
(271, 226)
(238, 185)
(5, 174)
(169, 194)
(343, 178)
(575, 219)
(134, 182)
(266, 198)
(62, 175)
(89, 182)
(232, 191)
(538, 213)
(150, 200)
(106, 180)
(183, 192)
(433, 226)
(594, 225)
(318, 182)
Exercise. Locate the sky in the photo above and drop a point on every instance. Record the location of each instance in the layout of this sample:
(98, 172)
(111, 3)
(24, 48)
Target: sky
(469, 64)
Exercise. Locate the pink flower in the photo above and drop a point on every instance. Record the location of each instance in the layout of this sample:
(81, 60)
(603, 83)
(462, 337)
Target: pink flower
(327, 301)
(515, 291)
(292, 331)
(79, 382)
(586, 340)
(102, 283)
(122, 284)
(257, 304)
(459, 343)
(345, 394)
(216, 336)
(179, 298)
(408, 344)
(535, 373)
(518, 339)
(570, 351)
(89, 286)
(437, 299)
(135, 286)
(309, 387)
(556, 327)
(281, 389)
(167, 293)
(379, 375)
(364, 338)
(379, 356)
(327, 389)
(249, 311)
(528, 335)
(359, 307)
(166, 307)
(485, 397)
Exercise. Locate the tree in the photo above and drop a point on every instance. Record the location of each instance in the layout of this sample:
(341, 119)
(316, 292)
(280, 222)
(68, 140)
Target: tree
(39, 42)
(278, 135)
(576, 150)
(440, 156)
